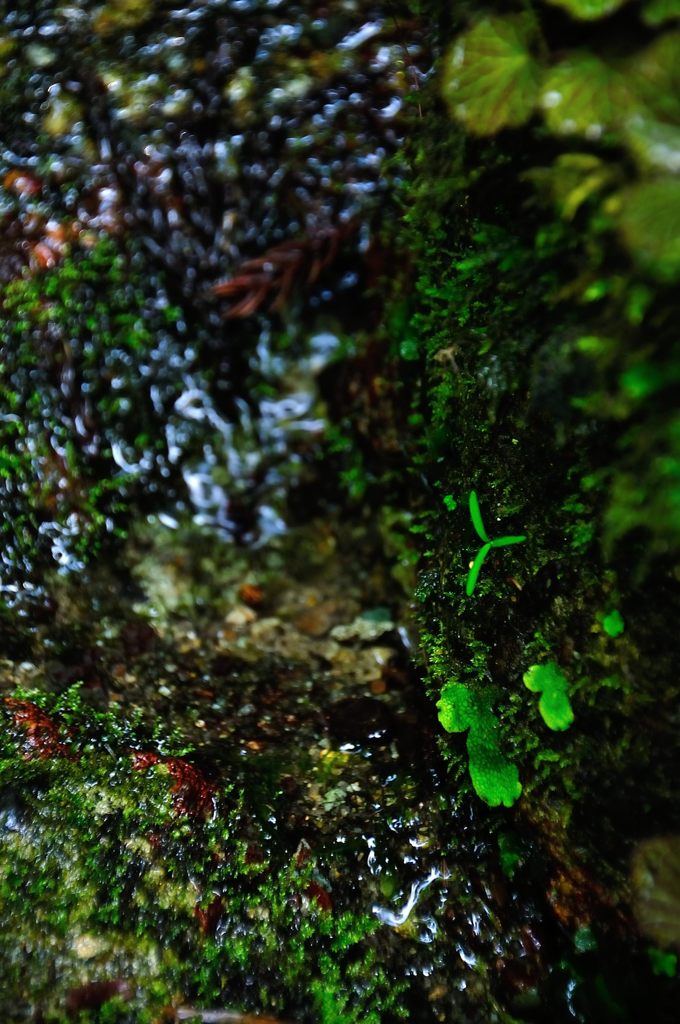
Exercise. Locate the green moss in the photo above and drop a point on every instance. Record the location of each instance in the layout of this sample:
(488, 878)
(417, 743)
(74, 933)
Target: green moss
(511, 854)
(663, 962)
(611, 96)
(110, 867)
(546, 324)
(116, 15)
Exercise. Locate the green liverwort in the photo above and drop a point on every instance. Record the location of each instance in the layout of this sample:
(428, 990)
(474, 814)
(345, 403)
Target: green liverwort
(494, 777)
(554, 705)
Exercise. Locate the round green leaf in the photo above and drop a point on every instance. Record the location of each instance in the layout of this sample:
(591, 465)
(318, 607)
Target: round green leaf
(613, 623)
(588, 10)
(649, 222)
(555, 710)
(490, 77)
(655, 144)
(653, 74)
(583, 96)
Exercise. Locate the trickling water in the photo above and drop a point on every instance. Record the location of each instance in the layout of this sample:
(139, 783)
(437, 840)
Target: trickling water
(400, 917)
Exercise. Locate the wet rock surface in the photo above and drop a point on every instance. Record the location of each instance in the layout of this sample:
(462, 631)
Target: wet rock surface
(327, 777)
(300, 792)
(149, 153)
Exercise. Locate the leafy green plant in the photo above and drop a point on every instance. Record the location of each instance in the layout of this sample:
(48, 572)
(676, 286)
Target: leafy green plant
(662, 962)
(501, 72)
(494, 777)
(588, 10)
(499, 542)
(491, 80)
(649, 222)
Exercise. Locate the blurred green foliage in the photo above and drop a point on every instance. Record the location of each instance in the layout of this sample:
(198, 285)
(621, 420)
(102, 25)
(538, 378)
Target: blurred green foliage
(506, 69)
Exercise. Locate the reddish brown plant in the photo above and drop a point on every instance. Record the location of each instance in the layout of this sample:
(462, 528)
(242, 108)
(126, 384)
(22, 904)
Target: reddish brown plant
(94, 994)
(208, 917)
(192, 793)
(41, 733)
(281, 269)
(317, 894)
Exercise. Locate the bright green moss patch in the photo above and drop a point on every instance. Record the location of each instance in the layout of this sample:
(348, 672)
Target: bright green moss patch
(494, 777)
(554, 705)
(511, 854)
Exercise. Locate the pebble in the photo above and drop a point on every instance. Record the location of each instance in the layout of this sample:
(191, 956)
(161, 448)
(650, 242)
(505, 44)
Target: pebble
(241, 616)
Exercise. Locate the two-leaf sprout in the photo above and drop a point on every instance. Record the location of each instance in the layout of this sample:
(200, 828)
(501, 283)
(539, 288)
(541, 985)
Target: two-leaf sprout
(499, 542)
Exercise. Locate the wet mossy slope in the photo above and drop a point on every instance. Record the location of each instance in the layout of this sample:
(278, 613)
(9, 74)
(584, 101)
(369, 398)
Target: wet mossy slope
(251, 802)
(544, 214)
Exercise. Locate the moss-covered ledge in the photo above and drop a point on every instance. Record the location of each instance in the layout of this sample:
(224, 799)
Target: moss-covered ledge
(543, 363)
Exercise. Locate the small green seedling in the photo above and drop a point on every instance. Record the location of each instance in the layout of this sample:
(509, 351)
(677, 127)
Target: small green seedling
(499, 542)
(552, 684)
